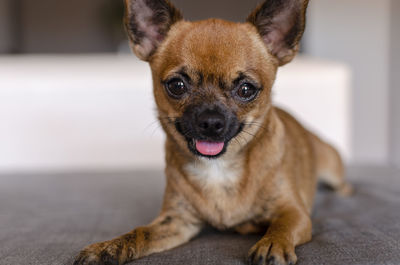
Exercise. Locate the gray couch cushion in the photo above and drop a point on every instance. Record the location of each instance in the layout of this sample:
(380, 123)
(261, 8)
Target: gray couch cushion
(48, 218)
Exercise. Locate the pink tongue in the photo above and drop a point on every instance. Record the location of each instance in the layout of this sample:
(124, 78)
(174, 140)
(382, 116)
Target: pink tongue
(209, 148)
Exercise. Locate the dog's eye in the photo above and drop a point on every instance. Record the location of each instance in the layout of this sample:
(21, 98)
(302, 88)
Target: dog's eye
(176, 88)
(246, 92)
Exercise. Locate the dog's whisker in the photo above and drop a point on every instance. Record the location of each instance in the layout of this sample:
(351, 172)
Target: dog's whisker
(168, 118)
(249, 133)
(258, 125)
(155, 129)
(154, 123)
(239, 142)
(187, 133)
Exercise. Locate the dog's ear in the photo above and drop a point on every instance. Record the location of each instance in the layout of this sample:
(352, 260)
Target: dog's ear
(281, 25)
(147, 23)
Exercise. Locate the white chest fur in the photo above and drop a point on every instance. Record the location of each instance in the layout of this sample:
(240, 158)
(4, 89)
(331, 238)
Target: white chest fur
(214, 172)
(219, 180)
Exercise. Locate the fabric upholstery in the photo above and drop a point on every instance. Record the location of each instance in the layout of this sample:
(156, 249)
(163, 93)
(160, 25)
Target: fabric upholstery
(45, 219)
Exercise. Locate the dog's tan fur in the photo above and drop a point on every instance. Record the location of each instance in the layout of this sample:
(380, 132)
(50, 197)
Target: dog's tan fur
(269, 172)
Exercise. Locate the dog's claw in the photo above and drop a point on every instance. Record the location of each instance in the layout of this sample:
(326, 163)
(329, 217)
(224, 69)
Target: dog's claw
(104, 253)
(272, 252)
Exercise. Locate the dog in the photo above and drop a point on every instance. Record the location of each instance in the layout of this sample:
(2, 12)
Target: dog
(233, 160)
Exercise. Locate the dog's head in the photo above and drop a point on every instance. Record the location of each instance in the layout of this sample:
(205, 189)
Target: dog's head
(213, 78)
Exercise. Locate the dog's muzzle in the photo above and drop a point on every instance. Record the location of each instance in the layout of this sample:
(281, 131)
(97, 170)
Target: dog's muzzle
(208, 128)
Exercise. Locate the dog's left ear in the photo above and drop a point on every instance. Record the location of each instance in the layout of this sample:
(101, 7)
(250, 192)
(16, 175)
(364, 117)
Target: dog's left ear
(147, 23)
(281, 25)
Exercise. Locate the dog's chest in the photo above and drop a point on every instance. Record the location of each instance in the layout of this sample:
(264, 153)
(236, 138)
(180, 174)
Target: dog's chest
(219, 182)
(214, 173)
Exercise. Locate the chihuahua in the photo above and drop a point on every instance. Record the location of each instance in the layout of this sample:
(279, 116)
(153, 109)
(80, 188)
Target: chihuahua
(233, 160)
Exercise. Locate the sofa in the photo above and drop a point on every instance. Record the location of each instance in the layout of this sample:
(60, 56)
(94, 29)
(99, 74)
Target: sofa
(47, 218)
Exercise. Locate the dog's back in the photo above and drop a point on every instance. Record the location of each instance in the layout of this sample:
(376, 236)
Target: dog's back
(327, 164)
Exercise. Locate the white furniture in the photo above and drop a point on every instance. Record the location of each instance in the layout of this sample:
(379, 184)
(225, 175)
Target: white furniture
(96, 112)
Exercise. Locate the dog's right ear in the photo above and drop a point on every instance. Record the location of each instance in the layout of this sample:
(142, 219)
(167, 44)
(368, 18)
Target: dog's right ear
(147, 23)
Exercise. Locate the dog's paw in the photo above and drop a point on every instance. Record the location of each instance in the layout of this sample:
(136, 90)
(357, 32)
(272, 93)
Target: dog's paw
(269, 251)
(104, 253)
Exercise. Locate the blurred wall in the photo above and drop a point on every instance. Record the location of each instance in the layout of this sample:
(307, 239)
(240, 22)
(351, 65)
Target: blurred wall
(74, 26)
(234, 10)
(358, 32)
(5, 26)
(395, 83)
(64, 26)
(48, 26)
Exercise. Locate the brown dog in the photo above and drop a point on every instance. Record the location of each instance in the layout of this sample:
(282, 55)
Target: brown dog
(233, 160)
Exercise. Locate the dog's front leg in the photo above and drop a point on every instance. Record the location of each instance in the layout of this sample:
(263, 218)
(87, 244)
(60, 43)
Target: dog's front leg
(167, 231)
(291, 227)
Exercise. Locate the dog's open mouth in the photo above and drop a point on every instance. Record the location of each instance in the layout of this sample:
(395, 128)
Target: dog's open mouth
(207, 148)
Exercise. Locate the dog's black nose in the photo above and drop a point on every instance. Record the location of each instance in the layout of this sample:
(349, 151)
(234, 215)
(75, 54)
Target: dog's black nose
(211, 123)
